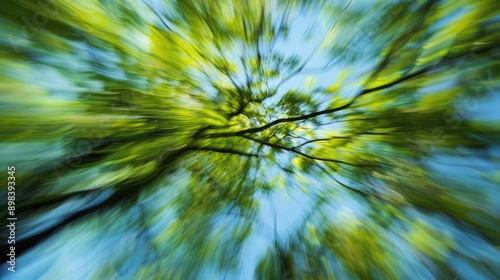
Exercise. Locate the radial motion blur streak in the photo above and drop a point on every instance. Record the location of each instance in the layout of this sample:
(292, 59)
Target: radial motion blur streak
(172, 139)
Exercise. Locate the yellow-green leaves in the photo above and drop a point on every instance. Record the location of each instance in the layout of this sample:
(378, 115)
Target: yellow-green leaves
(430, 241)
(168, 126)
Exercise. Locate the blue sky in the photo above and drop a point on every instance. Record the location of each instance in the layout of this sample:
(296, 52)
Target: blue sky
(290, 206)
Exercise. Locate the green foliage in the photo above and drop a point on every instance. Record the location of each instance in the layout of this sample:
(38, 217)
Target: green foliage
(165, 127)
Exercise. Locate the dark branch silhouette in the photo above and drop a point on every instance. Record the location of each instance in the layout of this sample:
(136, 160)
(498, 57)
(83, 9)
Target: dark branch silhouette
(276, 146)
(350, 103)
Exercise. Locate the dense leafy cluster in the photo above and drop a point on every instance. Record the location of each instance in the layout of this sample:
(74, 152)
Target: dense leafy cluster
(154, 136)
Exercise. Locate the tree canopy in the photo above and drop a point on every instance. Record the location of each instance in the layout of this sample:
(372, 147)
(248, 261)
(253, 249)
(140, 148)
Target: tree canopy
(164, 139)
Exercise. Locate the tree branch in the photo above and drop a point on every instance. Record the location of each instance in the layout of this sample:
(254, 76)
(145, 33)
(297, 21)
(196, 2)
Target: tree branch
(358, 191)
(318, 113)
(348, 104)
(224, 151)
(322, 139)
(122, 195)
(301, 153)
